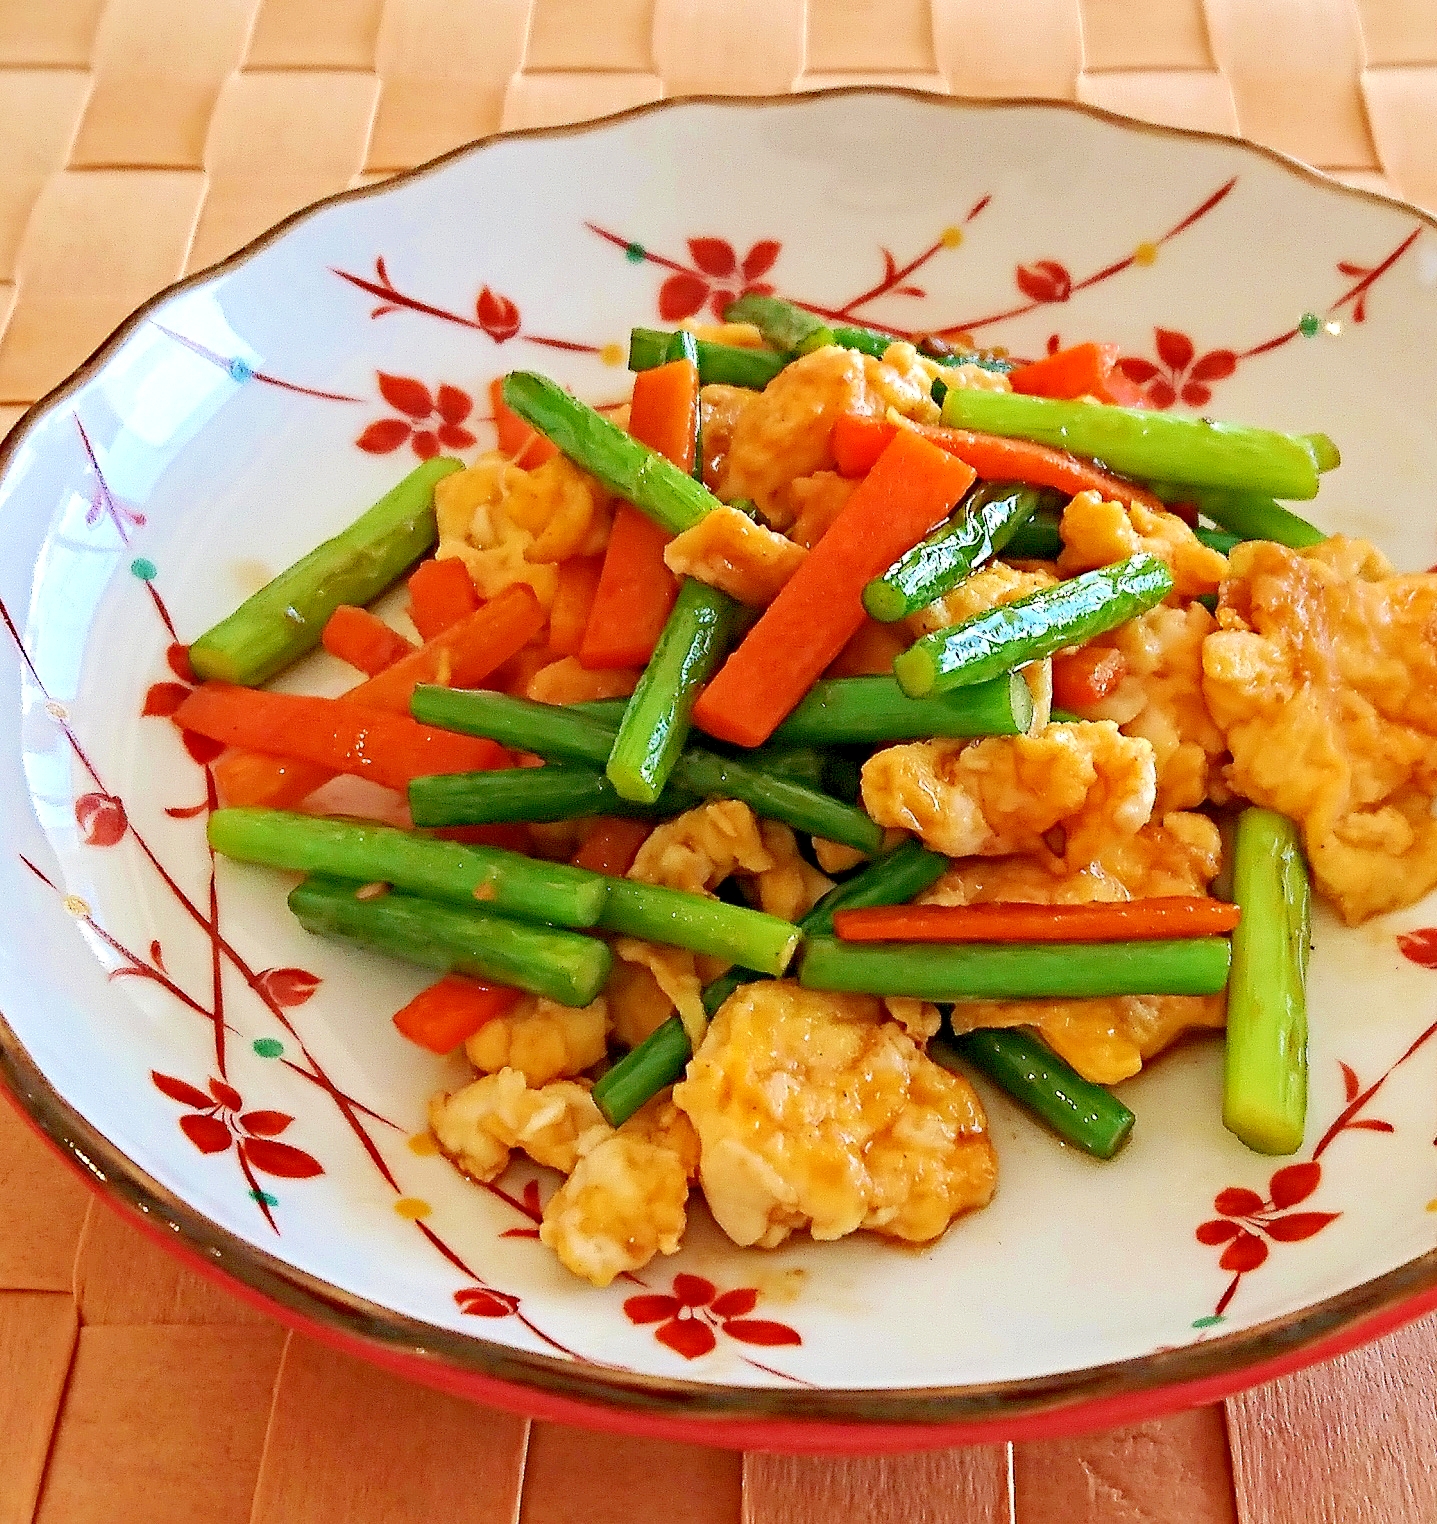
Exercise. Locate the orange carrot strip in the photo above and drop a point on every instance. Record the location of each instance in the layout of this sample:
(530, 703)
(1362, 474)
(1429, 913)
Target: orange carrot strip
(441, 593)
(612, 845)
(1086, 677)
(278, 783)
(524, 446)
(573, 603)
(1122, 921)
(389, 749)
(636, 590)
(912, 487)
(363, 640)
(512, 836)
(664, 412)
(1085, 370)
(453, 1010)
(858, 441)
(871, 651)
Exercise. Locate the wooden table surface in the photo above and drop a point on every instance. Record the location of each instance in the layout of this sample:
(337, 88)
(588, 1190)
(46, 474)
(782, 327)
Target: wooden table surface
(138, 141)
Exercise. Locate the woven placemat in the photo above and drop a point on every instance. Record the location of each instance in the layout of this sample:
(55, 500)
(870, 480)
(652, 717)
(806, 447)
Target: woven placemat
(141, 139)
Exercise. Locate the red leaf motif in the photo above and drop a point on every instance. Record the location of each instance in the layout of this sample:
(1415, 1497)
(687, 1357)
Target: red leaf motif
(1215, 365)
(687, 1337)
(718, 303)
(157, 954)
(272, 1158)
(1045, 281)
(426, 444)
(681, 296)
(1161, 394)
(405, 393)
(452, 404)
(520, 1233)
(693, 1290)
(287, 986)
(101, 819)
(178, 657)
(178, 1090)
(479, 1302)
(202, 749)
(1196, 396)
(383, 437)
(758, 288)
(265, 1124)
(531, 1196)
(1218, 1231)
(164, 698)
(650, 1309)
(1298, 1225)
(1420, 946)
(759, 259)
(1175, 349)
(452, 437)
(737, 1303)
(185, 811)
(1237, 1201)
(761, 1331)
(208, 1134)
(1136, 369)
(1348, 268)
(226, 1095)
(1246, 1252)
(1294, 1183)
(497, 315)
(714, 256)
(1054, 344)
(1371, 1124)
(1350, 1083)
(909, 291)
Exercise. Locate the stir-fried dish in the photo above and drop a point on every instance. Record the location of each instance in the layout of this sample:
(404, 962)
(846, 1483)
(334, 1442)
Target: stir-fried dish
(835, 719)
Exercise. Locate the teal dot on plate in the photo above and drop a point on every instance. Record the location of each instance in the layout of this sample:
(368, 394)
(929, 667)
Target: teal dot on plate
(635, 253)
(265, 1199)
(144, 568)
(241, 370)
(268, 1047)
(1208, 1322)
(1309, 324)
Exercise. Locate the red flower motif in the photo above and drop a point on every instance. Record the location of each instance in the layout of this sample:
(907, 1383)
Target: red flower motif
(449, 406)
(497, 315)
(287, 986)
(1245, 1218)
(217, 1121)
(688, 1318)
(719, 277)
(1045, 281)
(1419, 946)
(162, 700)
(101, 819)
(1182, 373)
(481, 1302)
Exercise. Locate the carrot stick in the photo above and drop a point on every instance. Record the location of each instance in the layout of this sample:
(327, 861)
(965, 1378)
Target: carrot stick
(511, 835)
(912, 487)
(441, 593)
(280, 783)
(573, 603)
(1085, 370)
(1123, 921)
(636, 590)
(612, 845)
(452, 1011)
(524, 446)
(664, 410)
(858, 441)
(363, 640)
(389, 749)
(1085, 677)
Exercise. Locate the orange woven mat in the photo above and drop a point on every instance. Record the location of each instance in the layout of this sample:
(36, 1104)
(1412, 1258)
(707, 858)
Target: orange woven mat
(140, 139)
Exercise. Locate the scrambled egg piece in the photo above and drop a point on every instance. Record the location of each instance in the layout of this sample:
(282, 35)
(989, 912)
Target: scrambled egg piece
(637, 1004)
(818, 500)
(1096, 533)
(990, 586)
(674, 971)
(1105, 1040)
(477, 1126)
(661, 1123)
(918, 1018)
(1179, 855)
(1161, 699)
(623, 1204)
(1323, 677)
(814, 1112)
(567, 682)
(564, 508)
(727, 550)
(541, 1039)
(702, 847)
(783, 432)
(1006, 793)
(719, 410)
(792, 886)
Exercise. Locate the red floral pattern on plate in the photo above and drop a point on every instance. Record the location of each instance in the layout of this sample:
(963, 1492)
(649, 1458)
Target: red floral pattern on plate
(691, 1318)
(432, 420)
(1180, 372)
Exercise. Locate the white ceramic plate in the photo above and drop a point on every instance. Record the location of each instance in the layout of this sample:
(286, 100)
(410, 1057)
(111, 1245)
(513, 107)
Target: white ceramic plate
(153, 1004)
